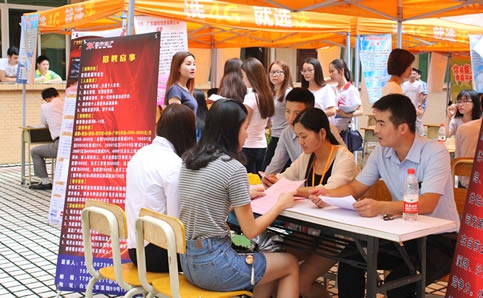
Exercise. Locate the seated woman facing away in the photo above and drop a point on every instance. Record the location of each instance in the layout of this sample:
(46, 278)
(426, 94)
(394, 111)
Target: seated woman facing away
(212, 182)
(152, 177)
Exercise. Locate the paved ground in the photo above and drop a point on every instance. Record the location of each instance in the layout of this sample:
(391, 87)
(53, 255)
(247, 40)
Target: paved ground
(29, 246)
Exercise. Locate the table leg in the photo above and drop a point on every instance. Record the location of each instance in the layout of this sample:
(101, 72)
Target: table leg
(372, 252)
(22, 174)
(421, 284)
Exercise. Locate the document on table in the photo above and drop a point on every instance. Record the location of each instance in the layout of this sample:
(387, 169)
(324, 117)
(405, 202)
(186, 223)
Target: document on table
(265, 203)
(341, 202)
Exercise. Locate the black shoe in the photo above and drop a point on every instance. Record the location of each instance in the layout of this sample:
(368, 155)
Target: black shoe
(41, 186)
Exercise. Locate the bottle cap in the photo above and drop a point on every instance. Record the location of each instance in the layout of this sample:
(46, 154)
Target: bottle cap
(411, 171)
(441, 125)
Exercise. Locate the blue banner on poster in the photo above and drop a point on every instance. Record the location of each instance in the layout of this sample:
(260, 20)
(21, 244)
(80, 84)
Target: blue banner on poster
(28, 44)
(374, 51)
(476, 53)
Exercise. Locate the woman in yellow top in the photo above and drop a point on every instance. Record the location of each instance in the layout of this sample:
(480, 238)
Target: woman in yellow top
(43, 74)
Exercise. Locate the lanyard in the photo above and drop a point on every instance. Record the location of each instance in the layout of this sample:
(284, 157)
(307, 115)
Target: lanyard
(325, 167)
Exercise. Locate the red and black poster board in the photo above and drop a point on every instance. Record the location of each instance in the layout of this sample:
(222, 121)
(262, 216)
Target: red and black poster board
(115, 115)
(466, 278)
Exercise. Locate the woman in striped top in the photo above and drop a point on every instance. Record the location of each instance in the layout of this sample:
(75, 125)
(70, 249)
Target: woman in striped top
(212, 182)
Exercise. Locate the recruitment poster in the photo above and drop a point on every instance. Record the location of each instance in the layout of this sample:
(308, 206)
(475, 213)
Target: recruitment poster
(175, 38)
(460, 75)
(476, 54)
(63, 155)
(28, 44)
(374, 52)
(466, 279)
(114, 117)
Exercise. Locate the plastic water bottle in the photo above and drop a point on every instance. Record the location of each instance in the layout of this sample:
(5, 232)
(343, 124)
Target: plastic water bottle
(441, 134)
(411, 196)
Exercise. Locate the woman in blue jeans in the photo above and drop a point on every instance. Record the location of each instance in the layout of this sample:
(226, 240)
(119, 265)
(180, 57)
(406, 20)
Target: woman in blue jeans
(212, 182)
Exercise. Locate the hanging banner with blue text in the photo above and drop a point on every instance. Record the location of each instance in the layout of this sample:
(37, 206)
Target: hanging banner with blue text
(28, 44)
(374, 52)
(476, 53)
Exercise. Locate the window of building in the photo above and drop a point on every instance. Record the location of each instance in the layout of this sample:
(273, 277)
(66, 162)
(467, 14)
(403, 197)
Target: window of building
(52, 45)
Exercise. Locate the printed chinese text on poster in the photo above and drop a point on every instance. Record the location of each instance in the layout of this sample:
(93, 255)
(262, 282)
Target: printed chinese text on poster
(114, 117)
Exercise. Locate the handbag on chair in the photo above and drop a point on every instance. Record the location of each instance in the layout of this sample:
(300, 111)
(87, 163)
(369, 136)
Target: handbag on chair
(352, 138)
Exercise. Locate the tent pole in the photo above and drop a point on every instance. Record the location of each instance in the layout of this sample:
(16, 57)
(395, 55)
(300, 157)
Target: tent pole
(449, 100)
(356, 72)
(130, 23)
(357, 63)
(214, 66)
(400, 17)
(348, 50)
(399, 34)
(214, 63)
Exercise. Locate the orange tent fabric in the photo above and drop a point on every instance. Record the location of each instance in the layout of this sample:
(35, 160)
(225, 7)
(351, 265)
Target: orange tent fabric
(396, 10)
(219, 24)
(211, 24)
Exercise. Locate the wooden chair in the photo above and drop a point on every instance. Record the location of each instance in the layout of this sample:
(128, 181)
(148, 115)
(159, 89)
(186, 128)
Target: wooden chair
(108, 219)
(168, 232)
(378, 191)
(460, 166)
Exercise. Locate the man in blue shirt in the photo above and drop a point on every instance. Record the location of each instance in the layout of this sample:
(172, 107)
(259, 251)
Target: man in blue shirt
(288, 148)
(400, 148)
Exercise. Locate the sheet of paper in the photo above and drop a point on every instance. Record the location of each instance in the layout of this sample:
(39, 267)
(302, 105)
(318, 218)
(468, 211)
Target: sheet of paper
(263, 204)
(342, 202)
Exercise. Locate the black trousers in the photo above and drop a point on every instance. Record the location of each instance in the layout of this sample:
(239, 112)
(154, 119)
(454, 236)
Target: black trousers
(156, 258)
(270, 151)
(439, 255)
(255, 159)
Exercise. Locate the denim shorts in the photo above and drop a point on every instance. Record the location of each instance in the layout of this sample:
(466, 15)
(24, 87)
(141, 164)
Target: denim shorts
(213, 265)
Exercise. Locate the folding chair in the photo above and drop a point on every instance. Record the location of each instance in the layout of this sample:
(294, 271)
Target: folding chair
(108, 219)
(460, 166)
(168, 232)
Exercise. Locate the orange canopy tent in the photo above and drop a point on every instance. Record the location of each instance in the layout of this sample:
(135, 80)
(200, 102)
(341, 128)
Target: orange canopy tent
(220, 24)
(396, 10)
(211, 24)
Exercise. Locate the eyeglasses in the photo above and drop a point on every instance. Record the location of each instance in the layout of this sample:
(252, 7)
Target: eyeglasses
(277, 73)
(463, 101)
(304, 71)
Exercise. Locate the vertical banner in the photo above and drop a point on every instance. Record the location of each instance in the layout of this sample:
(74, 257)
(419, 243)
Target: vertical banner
(114, 117)
(175, 38)
(466, 280)
(437, 72)
(28, 44)
(63, 155)
(461, 77)
(374, 52)
(476, 53)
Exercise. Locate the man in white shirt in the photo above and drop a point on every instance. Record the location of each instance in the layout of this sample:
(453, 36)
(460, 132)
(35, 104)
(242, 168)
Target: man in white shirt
(415, 91)
(51, 116)
(425, 87)
(8, 66)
